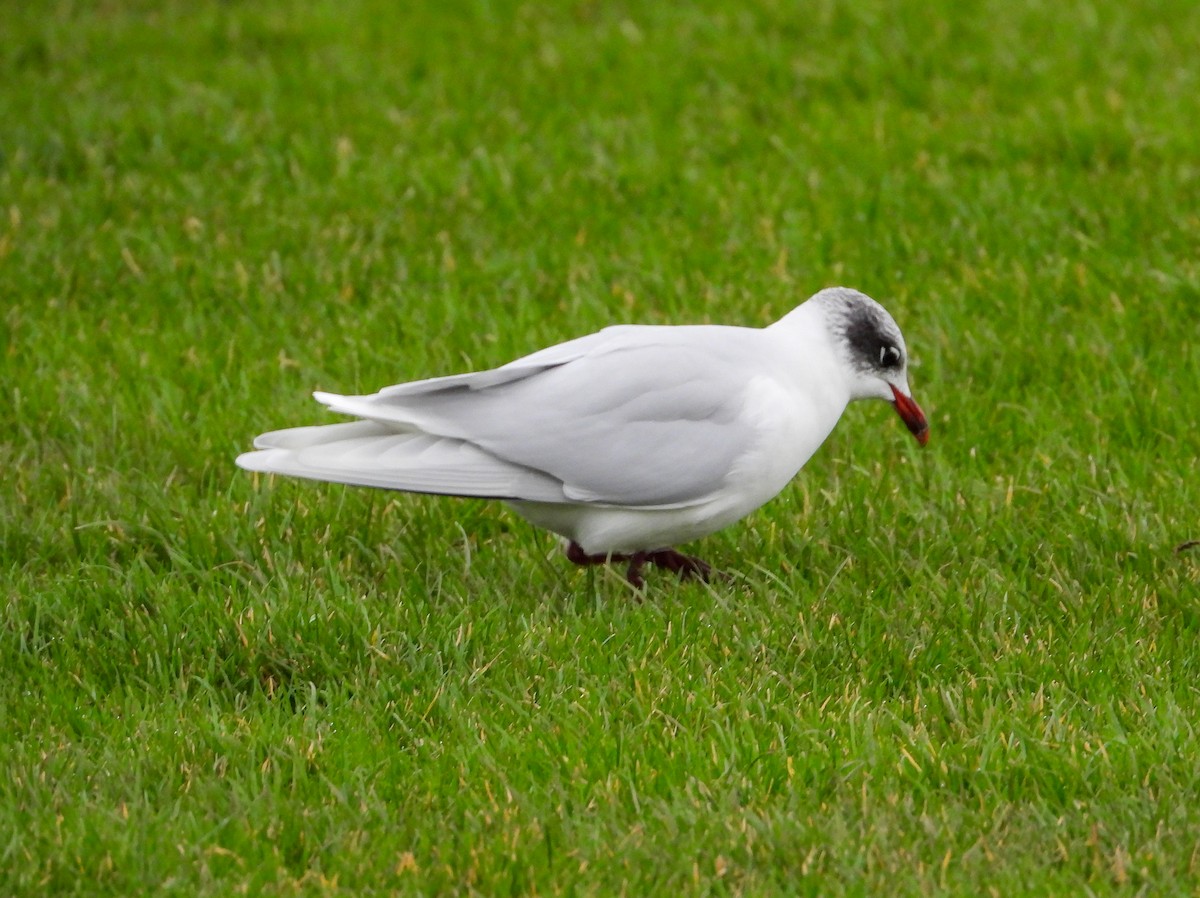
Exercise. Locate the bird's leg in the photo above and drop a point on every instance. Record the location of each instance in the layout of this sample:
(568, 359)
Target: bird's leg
(634, 572)
(684, 565)
(576, 555)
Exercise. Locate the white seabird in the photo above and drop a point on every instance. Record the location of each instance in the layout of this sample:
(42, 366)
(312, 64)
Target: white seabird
(627, 442)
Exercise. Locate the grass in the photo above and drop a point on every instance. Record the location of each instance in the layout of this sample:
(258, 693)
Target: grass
(968, 670)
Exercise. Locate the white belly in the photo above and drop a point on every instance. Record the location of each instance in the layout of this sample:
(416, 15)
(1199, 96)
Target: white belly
(788, 433)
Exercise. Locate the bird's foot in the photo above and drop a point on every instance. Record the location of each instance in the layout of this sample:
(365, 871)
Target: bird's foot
(684, 565)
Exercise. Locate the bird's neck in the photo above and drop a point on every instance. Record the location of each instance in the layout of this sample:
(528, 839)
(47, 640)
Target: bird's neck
(812, 356)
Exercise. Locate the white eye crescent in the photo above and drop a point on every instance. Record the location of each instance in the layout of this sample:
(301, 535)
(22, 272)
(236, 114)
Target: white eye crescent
(889, 356)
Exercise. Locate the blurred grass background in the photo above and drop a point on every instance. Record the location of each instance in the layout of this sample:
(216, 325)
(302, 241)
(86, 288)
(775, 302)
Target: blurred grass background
(965, 670)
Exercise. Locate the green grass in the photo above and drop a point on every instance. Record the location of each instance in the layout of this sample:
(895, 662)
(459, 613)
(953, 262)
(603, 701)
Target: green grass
(967, 670)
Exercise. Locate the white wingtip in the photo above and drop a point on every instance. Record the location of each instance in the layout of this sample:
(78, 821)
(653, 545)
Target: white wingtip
(357, 406)
(264, 461)
(366, 453)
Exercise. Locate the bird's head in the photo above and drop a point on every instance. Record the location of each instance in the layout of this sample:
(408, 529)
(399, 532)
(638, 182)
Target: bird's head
(873, 351)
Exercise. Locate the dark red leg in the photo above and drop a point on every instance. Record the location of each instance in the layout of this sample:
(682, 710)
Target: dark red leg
(634, 572)
(684, 565)
(576, 555)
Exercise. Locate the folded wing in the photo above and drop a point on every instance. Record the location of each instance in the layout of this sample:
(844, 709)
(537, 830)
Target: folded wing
(639, 416)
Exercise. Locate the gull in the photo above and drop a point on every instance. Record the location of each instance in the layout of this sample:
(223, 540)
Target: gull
(626, 442)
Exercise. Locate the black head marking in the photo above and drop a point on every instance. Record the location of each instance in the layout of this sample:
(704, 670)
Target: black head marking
(872, 338)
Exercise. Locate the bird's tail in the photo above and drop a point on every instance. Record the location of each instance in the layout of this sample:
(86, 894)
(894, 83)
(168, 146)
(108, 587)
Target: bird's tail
(368, 453)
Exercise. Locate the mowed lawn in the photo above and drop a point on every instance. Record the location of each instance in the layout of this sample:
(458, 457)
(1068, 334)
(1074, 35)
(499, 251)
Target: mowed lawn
(973, 669)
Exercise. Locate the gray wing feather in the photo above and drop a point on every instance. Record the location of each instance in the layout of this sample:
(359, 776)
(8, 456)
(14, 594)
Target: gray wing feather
(640, 416)
(526, 366)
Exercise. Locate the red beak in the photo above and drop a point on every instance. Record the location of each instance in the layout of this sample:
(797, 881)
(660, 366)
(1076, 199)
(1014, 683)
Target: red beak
(912, 416)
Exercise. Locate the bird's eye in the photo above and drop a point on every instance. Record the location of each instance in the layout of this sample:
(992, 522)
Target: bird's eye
(889, 356)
